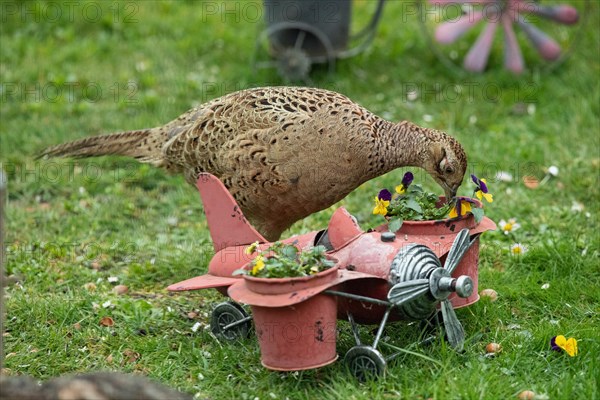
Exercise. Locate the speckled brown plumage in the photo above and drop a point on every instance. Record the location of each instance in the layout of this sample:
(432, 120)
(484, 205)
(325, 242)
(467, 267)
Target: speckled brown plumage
(284, 152)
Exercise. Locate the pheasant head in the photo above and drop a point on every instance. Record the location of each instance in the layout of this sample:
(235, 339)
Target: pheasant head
(438, 153)
(445, 160)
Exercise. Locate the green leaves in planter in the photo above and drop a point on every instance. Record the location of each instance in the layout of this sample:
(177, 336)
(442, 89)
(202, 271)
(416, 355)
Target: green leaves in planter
(477, 213)
(412, 203)
(417, 205)
(395, 224)
(283, 260)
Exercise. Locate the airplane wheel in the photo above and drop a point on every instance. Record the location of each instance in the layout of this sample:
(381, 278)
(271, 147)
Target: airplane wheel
(225, 314)
(295, 45)
(365, 362)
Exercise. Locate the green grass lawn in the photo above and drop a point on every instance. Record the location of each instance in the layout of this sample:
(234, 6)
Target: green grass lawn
(96, 67)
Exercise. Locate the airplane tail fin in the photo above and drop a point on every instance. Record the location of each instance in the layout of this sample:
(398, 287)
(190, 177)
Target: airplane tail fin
(226, 222)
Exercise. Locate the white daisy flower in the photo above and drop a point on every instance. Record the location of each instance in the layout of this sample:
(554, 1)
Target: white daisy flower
(518, 249)
(553, 170)
(509, 226)
(504, 176)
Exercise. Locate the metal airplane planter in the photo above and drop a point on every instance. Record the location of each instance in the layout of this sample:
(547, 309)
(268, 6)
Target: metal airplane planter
(380, 276)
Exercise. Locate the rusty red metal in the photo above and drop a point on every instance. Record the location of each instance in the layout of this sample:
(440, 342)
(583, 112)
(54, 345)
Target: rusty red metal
(298, 337)
(363, 267)
(366, 252)
(355, 249)
(290, 291)
(295, 322)
(226, 222)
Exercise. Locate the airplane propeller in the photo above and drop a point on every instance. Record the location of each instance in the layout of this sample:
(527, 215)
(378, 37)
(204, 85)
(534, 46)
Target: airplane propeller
(416, 272)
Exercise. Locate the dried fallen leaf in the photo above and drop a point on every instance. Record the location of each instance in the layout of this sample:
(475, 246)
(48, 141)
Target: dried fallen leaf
(109, 359)
(131, 356)
(107, 321)
(90, 286)
(120, 289)
(531, 182)
(192, 315)
(490, 294)
(526, 395)
(77, 326)
(493, 348)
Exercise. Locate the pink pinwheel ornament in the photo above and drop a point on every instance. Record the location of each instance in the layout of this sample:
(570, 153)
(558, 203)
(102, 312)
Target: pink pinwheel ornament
(503, 14)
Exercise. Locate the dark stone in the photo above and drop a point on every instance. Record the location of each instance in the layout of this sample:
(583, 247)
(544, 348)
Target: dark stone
(97, 386)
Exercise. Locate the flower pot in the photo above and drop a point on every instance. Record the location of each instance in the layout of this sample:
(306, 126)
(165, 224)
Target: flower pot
(299, 336)
(288, 285)
(446, 226)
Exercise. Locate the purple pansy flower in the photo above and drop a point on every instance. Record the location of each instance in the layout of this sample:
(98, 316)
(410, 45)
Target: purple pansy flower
(481, 191)
(480, 184)
(553, 344)
(407, 179)
(457, 210)
(561, 343)
(385, 195)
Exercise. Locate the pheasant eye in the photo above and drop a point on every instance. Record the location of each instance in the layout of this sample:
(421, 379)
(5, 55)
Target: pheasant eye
(449, 170)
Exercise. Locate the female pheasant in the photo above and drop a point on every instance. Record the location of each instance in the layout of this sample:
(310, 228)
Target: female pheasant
(283, 152)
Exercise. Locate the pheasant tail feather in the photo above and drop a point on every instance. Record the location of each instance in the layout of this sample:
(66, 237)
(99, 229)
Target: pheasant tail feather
(144, 145)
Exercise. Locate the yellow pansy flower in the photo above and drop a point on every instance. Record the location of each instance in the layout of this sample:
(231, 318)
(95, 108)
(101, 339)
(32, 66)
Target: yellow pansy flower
(259, 264)
(568, 345)
(462, 207)
(481, 191)
(251, 249)
(382, 201)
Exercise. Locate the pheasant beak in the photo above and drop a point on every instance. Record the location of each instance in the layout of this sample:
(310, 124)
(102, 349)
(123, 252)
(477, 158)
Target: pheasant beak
(450, 193)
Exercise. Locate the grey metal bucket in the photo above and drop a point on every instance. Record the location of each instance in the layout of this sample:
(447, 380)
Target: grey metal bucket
(322, 24)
